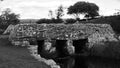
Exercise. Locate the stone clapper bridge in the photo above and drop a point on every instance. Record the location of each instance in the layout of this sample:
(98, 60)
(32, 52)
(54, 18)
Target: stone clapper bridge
(80, 36)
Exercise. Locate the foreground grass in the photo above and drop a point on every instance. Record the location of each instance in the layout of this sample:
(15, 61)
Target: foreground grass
(17, 57)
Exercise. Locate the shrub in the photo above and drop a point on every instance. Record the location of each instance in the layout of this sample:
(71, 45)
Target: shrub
(70, 21)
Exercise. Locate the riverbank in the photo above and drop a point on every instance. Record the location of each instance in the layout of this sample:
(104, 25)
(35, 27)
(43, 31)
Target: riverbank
(17, 57)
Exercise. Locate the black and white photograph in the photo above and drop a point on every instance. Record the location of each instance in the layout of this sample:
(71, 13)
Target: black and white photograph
(59, 33)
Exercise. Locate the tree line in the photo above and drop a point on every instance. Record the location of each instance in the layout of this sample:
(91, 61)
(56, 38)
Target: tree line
(88, 10)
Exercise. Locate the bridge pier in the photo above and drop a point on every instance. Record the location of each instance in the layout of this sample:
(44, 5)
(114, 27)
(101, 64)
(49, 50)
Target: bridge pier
(40, 44)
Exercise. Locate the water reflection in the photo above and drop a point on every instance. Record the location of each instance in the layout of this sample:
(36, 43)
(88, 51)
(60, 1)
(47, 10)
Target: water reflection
(85, 62)
(72, 62)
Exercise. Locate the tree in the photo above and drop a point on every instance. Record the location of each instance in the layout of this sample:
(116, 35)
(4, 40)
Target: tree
(57, 16)
(59, 12)
(89, 10)
(51, 14)
(7, 17)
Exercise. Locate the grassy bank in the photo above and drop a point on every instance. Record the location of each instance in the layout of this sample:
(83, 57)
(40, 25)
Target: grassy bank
(106, 49)
(17, 57)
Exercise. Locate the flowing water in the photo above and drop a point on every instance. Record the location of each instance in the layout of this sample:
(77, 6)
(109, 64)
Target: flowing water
(87, 62)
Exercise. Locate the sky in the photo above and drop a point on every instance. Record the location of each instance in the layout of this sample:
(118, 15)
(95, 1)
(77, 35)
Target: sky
(36, 9)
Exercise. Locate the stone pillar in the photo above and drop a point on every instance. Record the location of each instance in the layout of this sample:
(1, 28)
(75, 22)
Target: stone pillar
(70, 47)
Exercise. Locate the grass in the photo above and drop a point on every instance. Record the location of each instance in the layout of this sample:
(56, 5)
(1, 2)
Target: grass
(108, 49)
(17, 57)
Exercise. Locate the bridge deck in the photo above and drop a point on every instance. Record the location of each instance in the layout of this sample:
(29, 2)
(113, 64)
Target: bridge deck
(59, 31)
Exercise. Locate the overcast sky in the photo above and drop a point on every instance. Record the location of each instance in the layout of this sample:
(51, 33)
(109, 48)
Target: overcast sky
(39, 8)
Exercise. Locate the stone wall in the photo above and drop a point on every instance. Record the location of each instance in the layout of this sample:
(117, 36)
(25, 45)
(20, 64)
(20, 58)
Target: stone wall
(59, 31)
(94, 32)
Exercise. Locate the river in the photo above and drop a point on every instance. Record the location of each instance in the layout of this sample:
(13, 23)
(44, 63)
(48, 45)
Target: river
(87, 62)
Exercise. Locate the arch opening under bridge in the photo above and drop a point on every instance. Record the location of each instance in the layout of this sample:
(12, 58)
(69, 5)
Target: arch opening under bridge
(80, 45)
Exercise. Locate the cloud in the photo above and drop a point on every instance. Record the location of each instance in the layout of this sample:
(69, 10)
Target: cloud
(33, 11)
(118, 0)
(40, 8)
